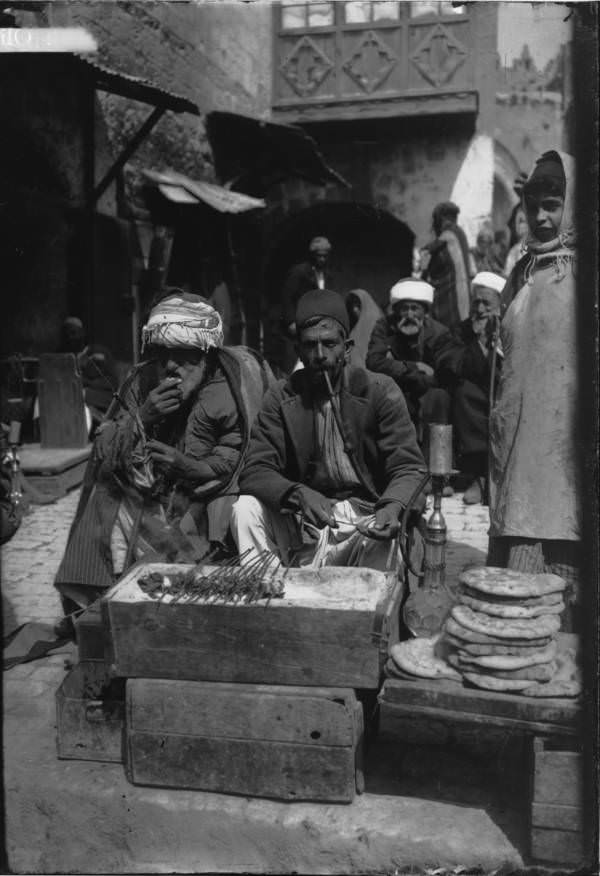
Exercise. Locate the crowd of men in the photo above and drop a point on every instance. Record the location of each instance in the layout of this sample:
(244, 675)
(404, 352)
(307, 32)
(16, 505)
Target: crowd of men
(204, 454)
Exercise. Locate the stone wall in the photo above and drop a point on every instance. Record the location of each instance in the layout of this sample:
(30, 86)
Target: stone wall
(216, 55)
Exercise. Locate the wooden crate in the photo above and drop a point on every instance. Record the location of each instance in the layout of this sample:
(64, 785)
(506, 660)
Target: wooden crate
(332, 629)
(557, 805)
(287, 743)
(90, 727)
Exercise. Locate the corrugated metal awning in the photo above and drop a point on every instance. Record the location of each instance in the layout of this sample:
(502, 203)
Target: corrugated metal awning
(182, 190)
(135, 88)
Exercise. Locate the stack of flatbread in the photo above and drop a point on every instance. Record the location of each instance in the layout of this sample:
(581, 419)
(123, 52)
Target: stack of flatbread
(501, 635)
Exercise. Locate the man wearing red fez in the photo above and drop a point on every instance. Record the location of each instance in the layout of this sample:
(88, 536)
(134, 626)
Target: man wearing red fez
(333, 457)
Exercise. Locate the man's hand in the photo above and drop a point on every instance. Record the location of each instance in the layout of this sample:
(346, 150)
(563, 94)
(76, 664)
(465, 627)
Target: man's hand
(386, 523)
(171, 460)
(314, 506)
(165, 399)
(425, 369)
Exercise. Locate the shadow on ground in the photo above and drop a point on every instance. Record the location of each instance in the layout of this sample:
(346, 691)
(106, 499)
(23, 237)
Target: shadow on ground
(455, 765)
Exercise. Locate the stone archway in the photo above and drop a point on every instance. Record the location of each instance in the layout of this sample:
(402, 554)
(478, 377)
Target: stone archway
(506, 169)
(372, 250)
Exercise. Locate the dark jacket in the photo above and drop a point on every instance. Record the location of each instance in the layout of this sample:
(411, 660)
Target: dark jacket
(301, 278)
(377, 426)
(467, 370)
(397, 356)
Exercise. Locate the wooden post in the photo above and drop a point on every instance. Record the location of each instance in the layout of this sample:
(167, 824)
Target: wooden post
(238, 307)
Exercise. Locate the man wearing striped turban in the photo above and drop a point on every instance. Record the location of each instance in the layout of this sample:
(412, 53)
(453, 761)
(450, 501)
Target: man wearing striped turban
(165, 463)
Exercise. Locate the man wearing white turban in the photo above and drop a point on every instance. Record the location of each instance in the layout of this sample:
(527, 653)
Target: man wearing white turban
(406, 345)
(164, 468)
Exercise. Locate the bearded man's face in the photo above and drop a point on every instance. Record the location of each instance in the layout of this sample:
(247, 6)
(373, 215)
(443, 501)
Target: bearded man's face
(408, 317)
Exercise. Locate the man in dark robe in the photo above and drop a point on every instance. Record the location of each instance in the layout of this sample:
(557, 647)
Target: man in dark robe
(304, 277)
(468, 365)
(164, 469)
(448, 266)
(407, 345)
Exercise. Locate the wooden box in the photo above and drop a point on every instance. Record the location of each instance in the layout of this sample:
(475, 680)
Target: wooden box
(90, 634)
(332, 628)
(557, 805)
(90, 713)
(53, 471)
(287, 743)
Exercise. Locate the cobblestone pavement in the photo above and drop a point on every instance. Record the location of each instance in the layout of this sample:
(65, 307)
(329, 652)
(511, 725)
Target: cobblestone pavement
(31, 558)
(30, 561)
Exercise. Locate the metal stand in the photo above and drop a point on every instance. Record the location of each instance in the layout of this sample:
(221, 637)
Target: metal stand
(434, 563)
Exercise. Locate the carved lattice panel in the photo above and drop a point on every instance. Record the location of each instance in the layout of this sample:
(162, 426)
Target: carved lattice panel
(306, 67)
(370, 63)
(438, 57)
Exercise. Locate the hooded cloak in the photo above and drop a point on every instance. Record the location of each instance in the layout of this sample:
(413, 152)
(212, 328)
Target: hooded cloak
(533, 452)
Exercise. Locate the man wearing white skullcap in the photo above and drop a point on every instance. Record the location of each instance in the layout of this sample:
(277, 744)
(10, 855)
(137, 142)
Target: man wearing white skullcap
(406, 345)
(468, 367)
(168, 454)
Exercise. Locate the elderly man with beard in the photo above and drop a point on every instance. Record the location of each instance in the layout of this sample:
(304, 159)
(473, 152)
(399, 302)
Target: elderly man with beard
(333, 458)
(470, 366)
(407, 346)
(164, 469)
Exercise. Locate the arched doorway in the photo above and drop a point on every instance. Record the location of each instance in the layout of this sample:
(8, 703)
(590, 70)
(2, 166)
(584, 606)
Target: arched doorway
(372, 250)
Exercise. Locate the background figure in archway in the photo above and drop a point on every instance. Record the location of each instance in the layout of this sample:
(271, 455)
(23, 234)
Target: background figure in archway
(304, 277)
(487, 253)
(447, 266)
(363, 314)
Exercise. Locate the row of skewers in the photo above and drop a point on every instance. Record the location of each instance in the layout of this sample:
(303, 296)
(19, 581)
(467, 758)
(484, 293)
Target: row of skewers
(242, 579)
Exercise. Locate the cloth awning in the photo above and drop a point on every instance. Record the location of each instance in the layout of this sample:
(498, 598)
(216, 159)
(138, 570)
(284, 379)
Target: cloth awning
(255, 153)
(182, 190)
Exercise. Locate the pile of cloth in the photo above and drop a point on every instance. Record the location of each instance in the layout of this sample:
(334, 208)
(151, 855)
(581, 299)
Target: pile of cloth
(502, 633)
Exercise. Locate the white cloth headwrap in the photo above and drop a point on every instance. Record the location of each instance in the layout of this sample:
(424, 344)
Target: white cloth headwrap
(412, 290)
(185, 321)
(489, 280)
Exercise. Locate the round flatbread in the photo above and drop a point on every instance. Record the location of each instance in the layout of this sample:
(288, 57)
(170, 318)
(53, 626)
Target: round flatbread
(539, 672)
(530, 628)
(544, 599)
(475, 649)
(417, 657)
(555, 689)
(508, 582)
(496, 609)
(463, 636)
(566, 681)
(511, 661)
(489, 682)
(390, 670)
